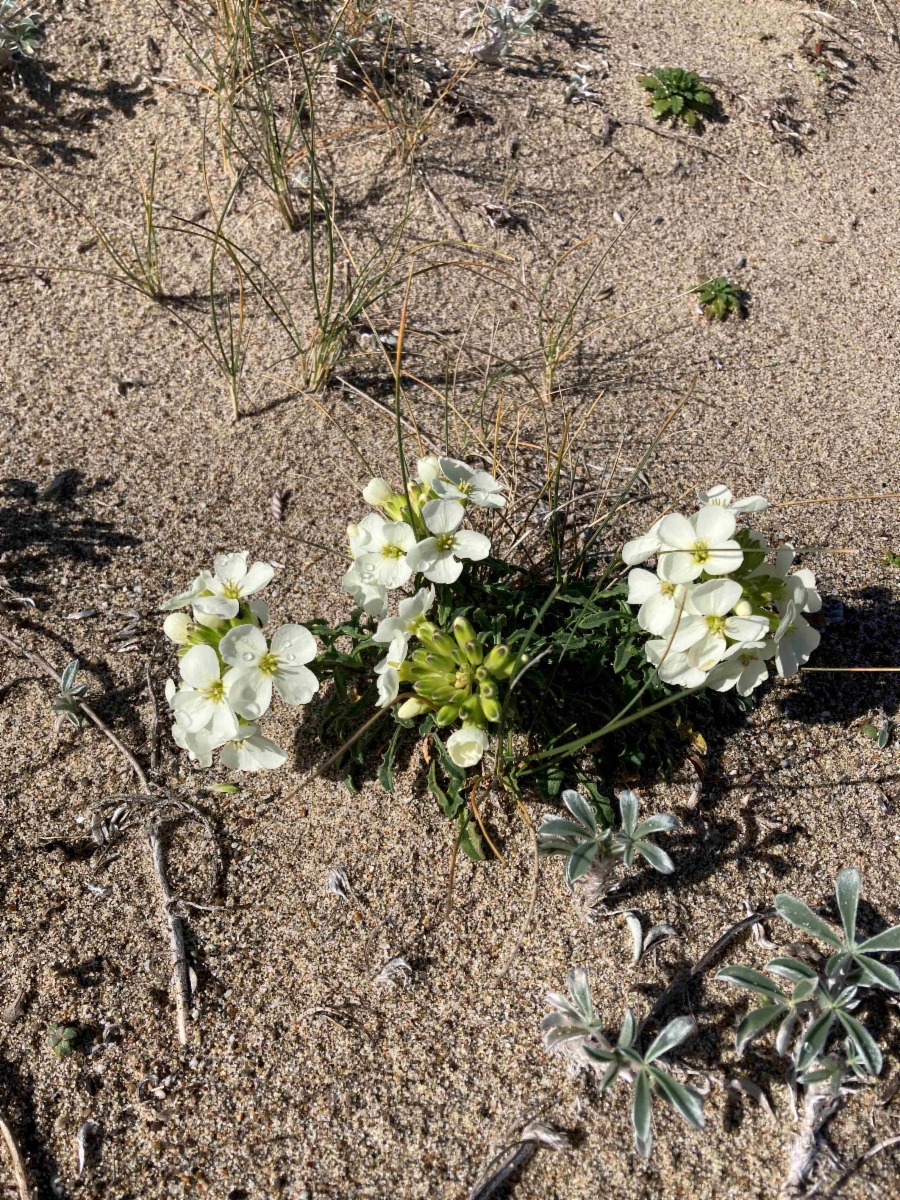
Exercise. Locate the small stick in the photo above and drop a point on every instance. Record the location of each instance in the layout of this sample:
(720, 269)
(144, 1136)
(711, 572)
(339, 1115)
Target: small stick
(173, 921)
(854, 1166)
(154, 724)
(18, 1163)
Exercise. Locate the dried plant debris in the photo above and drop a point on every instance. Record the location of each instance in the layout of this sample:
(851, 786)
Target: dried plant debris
(396, 972)
(503, 1169)
(786, 126)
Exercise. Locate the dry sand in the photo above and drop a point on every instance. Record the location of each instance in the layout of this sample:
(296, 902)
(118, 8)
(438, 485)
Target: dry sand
(306, 1076)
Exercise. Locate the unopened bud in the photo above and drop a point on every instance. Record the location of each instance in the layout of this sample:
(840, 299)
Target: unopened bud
(412, 708)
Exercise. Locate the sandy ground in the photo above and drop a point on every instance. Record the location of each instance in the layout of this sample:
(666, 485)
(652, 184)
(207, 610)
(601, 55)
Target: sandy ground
(307, 1076)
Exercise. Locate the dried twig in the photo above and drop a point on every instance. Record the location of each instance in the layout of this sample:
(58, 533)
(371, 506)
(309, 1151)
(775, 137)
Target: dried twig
(154, 723)
(173, 921)
(18, 1163)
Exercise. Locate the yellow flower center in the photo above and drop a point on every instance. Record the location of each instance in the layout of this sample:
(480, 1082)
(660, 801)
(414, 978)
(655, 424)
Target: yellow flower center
(215, 692)
(444, 542)
(716, 625)
(268, 664)
(231, 590)
(391, 551)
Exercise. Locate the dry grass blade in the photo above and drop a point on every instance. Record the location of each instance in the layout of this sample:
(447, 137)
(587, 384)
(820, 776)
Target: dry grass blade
(16, 1160)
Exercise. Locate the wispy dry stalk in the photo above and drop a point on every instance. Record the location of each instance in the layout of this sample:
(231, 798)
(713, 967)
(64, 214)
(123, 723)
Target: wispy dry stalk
(18, 1163)
(174, 924)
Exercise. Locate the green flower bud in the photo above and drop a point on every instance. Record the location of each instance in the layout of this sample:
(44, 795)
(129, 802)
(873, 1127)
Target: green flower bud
(490, 707)
(438, 693)
(515, 664)
(447, 715)
(488, 689)
(463, 632)
(497, 660)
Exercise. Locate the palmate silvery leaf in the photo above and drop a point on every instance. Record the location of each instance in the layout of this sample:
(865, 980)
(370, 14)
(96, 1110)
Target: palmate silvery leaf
(580, 809)
(671, 1036)
(791, 968)
(657, 858)
(846, 890)
(814, 1040)
(754, 981)
(68, 676)
(756, 1021)
(640, 1115)
(797, 913)
(785, 1034)
(865, 1045)
(628, 804)
(658, 823)
(685, 1100)
(876, 974)
(628, 1030)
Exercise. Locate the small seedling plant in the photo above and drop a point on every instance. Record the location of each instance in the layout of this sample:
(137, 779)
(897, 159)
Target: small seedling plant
(719, 299)
(20, 32)
(678, 95)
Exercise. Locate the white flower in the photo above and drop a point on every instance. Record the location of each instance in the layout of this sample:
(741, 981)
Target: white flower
(200, 584)
(387, 670)
(674, 668)
(360, 536)
(378, 492)
(205, 702)
(409, 617)
(250, 752)
(414, 707)
(464, 483)
(704, 635)
(384, 559)
(721, 495)
(467, 745)
(199, 745)
(659, 598)
(370, 596)
(436, 557)
(795, 640)
(428, 469)
(703, 543)
(639, 549)
(258, 667)
(232, 582)
(175, 627)
(743, 667)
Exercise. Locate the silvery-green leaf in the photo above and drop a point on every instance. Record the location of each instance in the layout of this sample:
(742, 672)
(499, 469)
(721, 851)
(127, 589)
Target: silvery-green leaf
(797, 913)
(881, 942)
(865, 1044)
(628, 803)
(846, 889)
(785, 1033)
(633, 922)
(628, 1030)
(804, 990)
(660, 823)
(579, 985)
(640, 1115)
(754, 1091)
(814, 1042)
(659, 933)
(658, 859)
(755, 1022)
(747, 978)
(670, 1037)
(791, 968)
(579, 861)
(684, 1100)
(877, 974)
(598, 1054)
(580, 809)
(837, 964)
(610, 1076)
(559, 827)
(68, 676)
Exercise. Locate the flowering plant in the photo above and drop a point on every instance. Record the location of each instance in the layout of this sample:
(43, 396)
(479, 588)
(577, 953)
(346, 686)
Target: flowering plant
(718, 612)
(228, 667)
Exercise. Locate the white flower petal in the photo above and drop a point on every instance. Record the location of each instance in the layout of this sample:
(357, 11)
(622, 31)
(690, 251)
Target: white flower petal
(657, 614)
(641, 586)
(678, 532)
(249, 692)
(224, 725)
(175, 627)
(444, 568)
(295, 685)
(216, 606)
(754, 673)
(727, 557)
(639, 549)
(230, 568)
(714, 525)
(200, 584)
(750, 504)
(707, 652)
(456, 471)
(378, 492)
(680, 565)
(243, 646)
(254, 753)
(259, 575)
(717, 494)
(192, 709)
(200, 667)
(469, 544)
(293, 643)
(388, 627)
(393, 572)
(444, 490)
(717, 597)
(260, 610)
(443, 516)
(388, 686)
(423, 555)
(466, 746)
(746, 629)
(428, 469)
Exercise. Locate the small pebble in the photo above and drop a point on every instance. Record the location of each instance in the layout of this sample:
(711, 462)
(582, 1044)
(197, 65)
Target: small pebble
(740, 261)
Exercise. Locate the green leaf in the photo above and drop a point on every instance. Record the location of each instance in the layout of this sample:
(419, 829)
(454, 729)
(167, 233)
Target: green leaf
(846, 889)
(881, 942)
(745, 977)
(227, 789)
(550, 780)
(757, 1020)
(658, 823)
(386, 770)
(685, 1100)
(470, 838)
(580, 860)
(865, 1044)
(791, 968)
(814, 1042)
(640, 1115)
(450, 803)
(68, 676)
(797, 913)
(676, 104)
(580, 810)
(624, 652)
(670, 1037)
(878, 974)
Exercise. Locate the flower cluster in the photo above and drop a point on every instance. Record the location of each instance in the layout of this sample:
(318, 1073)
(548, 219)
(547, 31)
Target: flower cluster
(228, 667)
(419, 532)
(718, 612)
